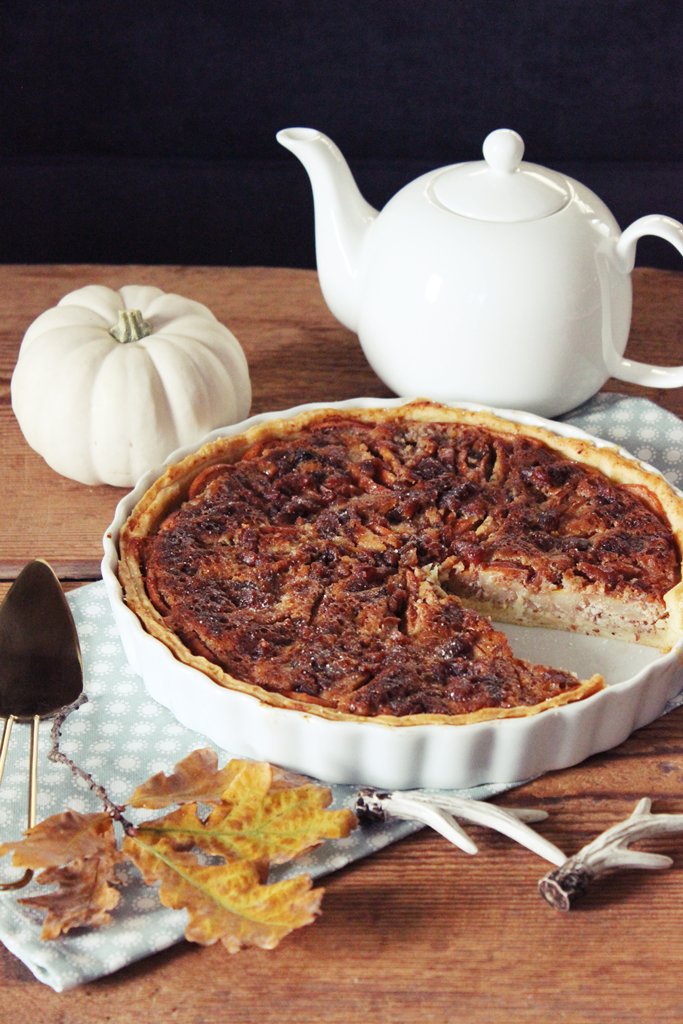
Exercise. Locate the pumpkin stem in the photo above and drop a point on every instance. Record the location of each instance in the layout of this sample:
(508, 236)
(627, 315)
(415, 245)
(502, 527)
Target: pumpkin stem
(131, 326)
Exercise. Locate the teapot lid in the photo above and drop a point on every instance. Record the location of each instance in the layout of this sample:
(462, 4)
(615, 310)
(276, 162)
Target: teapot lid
(500, 187)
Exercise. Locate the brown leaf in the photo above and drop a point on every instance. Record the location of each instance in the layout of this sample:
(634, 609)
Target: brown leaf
(225, 901)
(84, 896)
(283, 779)
(196, 777)
(77, 851)
(256, 822)
(63, 838)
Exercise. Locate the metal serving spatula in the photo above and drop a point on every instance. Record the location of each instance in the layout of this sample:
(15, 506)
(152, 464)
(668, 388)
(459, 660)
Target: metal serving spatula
(40, 664)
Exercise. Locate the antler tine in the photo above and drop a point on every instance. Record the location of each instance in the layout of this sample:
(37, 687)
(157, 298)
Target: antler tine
(608, 853)
(374, 807)
(439, 811)
(508, 821)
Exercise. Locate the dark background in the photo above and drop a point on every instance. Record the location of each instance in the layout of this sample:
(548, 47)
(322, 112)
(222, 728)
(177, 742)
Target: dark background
(144, 131)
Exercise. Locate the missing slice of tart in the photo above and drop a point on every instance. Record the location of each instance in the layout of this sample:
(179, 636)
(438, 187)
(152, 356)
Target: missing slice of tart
(347, 563)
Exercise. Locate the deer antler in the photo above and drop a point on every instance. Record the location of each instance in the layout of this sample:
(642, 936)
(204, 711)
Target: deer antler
(609, 852)
(439, 811)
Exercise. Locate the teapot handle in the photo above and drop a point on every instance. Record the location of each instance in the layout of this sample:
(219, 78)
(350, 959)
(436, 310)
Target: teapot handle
(628, 369)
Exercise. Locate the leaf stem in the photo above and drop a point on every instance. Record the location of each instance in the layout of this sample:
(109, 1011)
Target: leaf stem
(57, 757)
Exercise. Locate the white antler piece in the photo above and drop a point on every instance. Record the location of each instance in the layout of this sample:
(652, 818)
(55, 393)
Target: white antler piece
(374, 807)
(608, 853)
(439, 811)
(510, 822)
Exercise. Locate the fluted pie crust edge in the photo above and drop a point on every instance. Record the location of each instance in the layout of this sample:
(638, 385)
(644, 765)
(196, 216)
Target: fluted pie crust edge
(171, 489)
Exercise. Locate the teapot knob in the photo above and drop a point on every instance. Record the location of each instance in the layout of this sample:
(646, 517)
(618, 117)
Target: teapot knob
(503, 150)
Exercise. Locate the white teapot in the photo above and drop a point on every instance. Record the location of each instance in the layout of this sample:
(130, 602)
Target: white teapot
(496, 281)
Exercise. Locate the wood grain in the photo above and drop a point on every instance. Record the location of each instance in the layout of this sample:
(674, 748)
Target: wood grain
(421, 931)
(297, 352)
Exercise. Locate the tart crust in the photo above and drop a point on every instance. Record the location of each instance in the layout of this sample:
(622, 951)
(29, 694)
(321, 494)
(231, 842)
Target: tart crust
(480, 592)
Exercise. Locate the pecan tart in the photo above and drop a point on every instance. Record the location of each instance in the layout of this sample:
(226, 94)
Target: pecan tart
(349, 563)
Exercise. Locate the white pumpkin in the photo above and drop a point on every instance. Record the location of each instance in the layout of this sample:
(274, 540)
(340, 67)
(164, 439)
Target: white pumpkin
(109, 383)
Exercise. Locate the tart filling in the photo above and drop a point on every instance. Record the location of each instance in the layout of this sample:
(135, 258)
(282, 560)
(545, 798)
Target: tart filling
(348, 563)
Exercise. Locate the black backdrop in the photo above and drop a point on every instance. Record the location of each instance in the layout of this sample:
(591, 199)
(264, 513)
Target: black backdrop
(144, 130)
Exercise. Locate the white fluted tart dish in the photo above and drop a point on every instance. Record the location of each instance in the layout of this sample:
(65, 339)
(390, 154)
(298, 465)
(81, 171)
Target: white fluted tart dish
(316, 587)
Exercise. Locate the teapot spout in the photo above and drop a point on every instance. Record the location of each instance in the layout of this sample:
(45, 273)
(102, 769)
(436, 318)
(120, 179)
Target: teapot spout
(343, 220)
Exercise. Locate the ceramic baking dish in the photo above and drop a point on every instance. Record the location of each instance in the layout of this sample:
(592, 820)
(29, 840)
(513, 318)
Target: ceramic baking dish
(639, 681)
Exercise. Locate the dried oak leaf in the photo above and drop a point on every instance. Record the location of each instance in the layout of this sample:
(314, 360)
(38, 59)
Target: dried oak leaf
(263, 816)
(63, 838)
(84, 896)
(225, 901)
(197, 777)
(78, 852)
(257, 822)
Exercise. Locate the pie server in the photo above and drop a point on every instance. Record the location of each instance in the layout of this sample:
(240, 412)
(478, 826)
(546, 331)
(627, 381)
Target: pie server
(40, 664)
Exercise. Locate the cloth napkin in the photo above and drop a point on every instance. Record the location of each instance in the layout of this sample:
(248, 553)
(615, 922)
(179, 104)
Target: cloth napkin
(122, 736)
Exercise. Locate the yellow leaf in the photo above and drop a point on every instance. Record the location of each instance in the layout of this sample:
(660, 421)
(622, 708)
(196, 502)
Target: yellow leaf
(257, 823)
(61, 839)
(225, 901)
(264, 817)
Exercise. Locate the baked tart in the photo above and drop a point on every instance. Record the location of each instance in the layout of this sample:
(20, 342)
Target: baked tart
(349, 563)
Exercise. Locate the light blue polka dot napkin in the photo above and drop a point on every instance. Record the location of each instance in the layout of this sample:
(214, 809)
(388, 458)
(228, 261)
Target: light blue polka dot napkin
(122, 736)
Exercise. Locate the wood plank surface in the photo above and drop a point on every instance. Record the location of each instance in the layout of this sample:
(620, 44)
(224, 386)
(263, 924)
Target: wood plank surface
(420, 931)
(297, 352)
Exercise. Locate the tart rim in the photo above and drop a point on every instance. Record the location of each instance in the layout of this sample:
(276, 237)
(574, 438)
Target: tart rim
(171, 488)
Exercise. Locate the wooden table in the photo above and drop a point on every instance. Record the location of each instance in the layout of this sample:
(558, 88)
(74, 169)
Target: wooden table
(420, 931)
